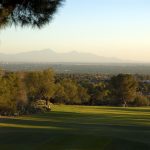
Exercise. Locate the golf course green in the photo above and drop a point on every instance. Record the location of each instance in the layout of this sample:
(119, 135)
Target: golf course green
(78, 128)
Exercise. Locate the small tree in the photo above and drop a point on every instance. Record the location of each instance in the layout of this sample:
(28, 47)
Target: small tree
(8, 93)
(100, 94)
(69, 92)
(83, 95)
(40, 85)
(141, 100)
(21, 93)
(59, 96)
(123, 88)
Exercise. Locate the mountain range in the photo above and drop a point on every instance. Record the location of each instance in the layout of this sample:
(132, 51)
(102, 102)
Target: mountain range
(45, 56)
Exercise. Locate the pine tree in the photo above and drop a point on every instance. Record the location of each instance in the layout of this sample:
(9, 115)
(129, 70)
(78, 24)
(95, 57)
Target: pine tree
(35, 13)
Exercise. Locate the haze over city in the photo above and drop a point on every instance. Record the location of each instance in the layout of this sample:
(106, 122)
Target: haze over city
(110, 28)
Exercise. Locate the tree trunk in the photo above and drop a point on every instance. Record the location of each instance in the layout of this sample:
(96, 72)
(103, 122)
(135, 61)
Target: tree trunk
(124, 103)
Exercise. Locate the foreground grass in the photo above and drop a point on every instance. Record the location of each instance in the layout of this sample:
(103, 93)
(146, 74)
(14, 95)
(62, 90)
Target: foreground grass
(78, 128)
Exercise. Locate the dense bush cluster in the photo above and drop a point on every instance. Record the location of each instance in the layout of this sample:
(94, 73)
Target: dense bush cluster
(32, 92)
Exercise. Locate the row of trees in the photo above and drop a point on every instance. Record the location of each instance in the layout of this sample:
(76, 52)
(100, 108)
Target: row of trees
(31, 92)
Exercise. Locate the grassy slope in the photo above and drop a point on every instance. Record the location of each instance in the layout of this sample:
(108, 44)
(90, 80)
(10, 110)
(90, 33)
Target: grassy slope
(78, 128)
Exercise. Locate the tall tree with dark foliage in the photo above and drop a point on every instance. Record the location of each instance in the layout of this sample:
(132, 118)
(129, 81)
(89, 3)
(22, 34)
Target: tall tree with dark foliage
(124, 88)
(35, 13)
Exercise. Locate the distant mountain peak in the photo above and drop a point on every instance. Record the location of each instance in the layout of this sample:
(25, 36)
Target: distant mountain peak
(48, 55)
(45, 51)
(74, 52)
(37, 51)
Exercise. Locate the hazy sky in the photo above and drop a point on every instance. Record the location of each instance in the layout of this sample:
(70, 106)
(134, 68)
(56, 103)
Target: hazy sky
(114, 28)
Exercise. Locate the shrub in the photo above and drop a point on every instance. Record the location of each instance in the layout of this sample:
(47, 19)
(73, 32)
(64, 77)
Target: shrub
(141, 100)
(39, 106)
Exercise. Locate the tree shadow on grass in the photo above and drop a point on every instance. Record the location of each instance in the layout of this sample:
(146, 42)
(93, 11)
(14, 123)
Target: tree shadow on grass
(68, 130)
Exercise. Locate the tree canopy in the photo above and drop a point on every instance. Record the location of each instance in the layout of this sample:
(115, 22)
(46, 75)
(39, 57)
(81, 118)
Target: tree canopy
(35, 13)
(34, 91)
(124, 87)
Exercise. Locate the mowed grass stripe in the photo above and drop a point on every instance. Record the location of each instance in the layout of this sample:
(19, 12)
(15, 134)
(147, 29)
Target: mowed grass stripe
(78, 128)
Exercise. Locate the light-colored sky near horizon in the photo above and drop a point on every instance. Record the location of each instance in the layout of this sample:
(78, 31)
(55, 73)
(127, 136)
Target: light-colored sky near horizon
(113, 28)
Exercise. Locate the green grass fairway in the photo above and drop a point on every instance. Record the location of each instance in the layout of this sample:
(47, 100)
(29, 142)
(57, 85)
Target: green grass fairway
(78, 128)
